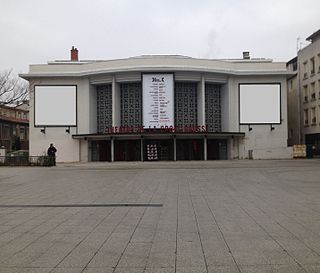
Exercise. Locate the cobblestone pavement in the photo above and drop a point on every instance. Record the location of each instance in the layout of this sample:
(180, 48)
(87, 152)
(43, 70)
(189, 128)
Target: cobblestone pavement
(226, 216)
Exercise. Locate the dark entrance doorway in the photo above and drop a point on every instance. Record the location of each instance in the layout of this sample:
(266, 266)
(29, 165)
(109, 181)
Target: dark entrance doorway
(190, 149)
(127, 150)
(101, 150)
(217, 149)
(158, 149)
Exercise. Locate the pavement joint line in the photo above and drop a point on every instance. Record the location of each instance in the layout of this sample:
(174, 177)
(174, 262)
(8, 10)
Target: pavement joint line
(106, 240)
(83, 239)
(154, 235)
(219, 228)
(81, 205)
(198, 229)
(177, 226)
(135, 228)
(44, 234)
(275, 240)
(264, 229)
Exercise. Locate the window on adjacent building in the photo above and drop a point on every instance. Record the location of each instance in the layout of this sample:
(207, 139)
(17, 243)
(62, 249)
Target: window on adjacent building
(313, 115)
(6, 132)
(313, 91)
(312, 66)
(305, 70)
(22, 133)
(306, 118)
(305, 93)
(318, 63)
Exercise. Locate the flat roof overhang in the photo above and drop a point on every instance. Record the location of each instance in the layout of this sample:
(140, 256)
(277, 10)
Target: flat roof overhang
(159, 135)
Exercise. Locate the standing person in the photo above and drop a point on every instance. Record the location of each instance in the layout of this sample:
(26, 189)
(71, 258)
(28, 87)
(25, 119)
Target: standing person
(52, 154)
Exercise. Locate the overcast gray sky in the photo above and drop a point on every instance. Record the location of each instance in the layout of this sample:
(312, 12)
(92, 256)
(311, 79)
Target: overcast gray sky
(37, 31)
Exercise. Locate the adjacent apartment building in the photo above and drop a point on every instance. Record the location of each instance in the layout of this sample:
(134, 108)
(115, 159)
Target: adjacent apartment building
(304, 95)
(14, 127)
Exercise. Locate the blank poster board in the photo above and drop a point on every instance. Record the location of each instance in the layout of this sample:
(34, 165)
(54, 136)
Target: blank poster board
(260, 103)
(55, 105)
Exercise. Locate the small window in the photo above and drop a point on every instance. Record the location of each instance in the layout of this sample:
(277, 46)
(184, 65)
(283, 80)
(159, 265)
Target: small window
(305, 93)
(312, 66)
(6, 131)
(313, 91)
(313, 115)
(306, 118)
(22, 133)
(305, 70)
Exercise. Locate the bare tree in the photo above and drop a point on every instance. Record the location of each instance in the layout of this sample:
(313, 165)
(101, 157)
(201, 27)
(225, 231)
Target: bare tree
(12, 88)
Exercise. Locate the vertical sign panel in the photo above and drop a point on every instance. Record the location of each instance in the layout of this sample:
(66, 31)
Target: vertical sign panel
(158, 100)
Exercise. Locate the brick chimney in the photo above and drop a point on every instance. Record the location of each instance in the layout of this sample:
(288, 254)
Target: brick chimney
(74, 54)
(246, 55)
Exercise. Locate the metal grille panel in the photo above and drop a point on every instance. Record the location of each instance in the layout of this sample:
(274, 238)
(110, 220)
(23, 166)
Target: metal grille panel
(185, 103)
(213, 107)
(104, 107)
(131, 104)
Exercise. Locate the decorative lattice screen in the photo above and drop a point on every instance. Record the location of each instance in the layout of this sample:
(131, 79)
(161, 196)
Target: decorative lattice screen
(131, 104)
(185, 104)
(104, 107)
(213, 107)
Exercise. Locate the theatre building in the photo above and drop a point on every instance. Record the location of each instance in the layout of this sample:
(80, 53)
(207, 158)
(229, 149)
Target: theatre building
(154, 107)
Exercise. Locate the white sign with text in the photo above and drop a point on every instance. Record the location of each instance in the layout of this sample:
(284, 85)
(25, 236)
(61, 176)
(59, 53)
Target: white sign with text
(158, 100)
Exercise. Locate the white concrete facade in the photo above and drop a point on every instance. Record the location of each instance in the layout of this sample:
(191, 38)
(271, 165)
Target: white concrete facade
(261, 142)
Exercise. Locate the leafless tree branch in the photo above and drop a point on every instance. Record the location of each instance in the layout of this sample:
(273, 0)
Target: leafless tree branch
(12, 88)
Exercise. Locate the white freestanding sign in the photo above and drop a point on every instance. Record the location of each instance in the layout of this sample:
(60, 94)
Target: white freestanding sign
(158, 100)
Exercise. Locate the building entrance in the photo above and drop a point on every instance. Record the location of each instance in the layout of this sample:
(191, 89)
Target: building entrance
(127, 150)
(158, 150)
(101, 150)
(190, 149)
(217, 149)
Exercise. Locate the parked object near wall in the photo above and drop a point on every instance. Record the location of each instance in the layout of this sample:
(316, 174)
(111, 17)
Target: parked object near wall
(299, 151)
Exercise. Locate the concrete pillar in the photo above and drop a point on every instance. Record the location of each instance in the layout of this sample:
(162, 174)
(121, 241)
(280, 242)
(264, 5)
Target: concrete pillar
(201, 102)
(174, 148)
(205, 156)
(116, 100)
(230, 148)
(112, 149)
(141, 149)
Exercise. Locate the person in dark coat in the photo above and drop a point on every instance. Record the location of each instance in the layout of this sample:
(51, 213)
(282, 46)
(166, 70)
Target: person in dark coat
(52, 154)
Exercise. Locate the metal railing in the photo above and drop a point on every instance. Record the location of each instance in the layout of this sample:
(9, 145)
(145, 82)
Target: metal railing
(45, 161)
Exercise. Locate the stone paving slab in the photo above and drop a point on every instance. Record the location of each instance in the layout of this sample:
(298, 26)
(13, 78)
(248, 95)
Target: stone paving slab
(222, 216)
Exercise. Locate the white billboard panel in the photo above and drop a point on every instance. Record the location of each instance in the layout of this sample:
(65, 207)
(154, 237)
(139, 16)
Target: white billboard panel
(158, 100)
(55, 105)
(260, 103)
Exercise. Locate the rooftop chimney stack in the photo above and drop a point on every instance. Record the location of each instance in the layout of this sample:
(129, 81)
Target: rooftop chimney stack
(246, 55)
(74, 54)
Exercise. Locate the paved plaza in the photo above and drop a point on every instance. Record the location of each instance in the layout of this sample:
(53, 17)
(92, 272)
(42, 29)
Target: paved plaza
(161, 217)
